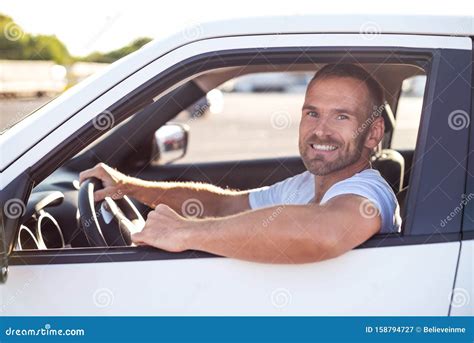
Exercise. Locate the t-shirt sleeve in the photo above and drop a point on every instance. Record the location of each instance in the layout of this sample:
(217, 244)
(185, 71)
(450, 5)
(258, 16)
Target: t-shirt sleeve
(266, 196)
(377, 192)
(283, 192)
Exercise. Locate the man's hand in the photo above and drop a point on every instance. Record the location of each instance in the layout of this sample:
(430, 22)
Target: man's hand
(164, 229)
(115, 183)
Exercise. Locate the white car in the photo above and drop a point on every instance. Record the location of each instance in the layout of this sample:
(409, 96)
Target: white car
(65, 255)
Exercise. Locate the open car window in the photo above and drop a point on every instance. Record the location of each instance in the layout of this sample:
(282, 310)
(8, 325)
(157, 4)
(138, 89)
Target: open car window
(244, 118)
(248, 117)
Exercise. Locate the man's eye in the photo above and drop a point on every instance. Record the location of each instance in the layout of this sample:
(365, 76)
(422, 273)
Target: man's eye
(312, 114)
(342, 117)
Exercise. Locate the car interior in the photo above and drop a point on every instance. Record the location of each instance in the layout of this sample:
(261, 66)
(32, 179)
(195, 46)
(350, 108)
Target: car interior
(60, 213)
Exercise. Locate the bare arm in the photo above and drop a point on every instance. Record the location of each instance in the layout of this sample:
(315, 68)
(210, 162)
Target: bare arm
(190, 198)
(186, 198)
(281, 234)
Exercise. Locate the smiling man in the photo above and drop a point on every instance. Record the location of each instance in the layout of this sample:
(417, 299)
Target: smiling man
(337, 204)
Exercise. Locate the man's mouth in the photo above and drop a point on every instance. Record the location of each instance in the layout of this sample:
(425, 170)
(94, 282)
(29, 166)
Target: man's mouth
(323, 147)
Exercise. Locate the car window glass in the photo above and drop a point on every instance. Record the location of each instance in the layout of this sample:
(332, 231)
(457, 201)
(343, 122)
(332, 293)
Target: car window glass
(409, 113)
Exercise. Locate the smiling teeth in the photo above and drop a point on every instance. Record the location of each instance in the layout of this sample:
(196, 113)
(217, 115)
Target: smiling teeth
(324, 147)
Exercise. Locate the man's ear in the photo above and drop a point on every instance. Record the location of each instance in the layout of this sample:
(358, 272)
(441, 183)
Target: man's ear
(376, 132)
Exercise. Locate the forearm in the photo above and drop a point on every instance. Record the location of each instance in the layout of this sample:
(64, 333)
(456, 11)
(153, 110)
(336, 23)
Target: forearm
(284, 234)
(188, 198)
(280, 234)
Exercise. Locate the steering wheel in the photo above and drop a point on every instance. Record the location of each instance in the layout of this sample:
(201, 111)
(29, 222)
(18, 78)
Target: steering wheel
(108, 222)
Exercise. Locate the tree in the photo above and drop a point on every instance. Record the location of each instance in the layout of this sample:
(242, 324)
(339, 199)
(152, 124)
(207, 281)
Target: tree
(12, 39)
(114, 55)
(15, 44)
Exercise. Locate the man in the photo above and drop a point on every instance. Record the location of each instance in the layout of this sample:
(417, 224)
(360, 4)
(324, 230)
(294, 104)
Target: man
(337, 204)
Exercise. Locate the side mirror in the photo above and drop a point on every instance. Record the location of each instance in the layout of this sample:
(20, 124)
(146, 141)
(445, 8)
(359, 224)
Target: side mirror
(172, 142)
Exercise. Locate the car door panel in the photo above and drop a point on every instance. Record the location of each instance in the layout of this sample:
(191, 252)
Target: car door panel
(373, 281)
(462, 303)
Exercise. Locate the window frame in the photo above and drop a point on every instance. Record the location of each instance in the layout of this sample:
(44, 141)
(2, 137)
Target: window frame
(468, 220)
(434, 68)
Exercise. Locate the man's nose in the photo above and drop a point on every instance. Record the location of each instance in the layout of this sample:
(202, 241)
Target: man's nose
(322, 128)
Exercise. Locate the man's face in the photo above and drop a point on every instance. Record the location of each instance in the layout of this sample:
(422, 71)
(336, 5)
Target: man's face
(330, 137)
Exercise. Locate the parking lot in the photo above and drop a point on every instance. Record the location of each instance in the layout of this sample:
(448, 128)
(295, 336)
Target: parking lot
(250, 125)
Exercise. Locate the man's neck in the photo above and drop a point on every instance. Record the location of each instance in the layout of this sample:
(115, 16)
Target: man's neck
(323, 183)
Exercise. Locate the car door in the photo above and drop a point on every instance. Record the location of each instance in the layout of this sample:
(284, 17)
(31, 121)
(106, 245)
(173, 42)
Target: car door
(410, 273)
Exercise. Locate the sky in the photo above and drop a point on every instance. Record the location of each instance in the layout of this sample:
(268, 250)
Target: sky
(102, 25)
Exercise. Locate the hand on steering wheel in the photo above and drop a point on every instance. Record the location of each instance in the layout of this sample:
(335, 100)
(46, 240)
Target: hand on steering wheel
(99, 231)
(114, 183)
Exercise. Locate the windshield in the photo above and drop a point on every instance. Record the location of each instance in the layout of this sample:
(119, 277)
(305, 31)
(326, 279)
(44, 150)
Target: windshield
(14, 110)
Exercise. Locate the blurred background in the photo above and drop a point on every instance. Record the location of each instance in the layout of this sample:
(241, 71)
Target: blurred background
(48, 46)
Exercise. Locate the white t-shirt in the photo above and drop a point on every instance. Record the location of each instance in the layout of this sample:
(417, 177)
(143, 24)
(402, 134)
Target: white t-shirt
(299, 190)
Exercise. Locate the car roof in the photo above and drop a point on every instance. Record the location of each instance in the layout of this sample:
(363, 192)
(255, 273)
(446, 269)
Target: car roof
(371, 25)
(338, 23)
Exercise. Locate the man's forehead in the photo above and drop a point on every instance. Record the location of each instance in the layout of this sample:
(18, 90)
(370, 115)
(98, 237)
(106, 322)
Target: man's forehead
(337, 92)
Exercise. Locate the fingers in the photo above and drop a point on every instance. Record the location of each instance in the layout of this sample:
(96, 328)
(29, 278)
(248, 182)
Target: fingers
(165, 210)
(143, 237)
(85, 175)
(112, 192)
(100, 195)
(97, 171)
(155, 217)
(152, 214)
(161, 231)
(137, 238)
